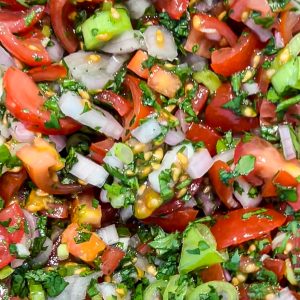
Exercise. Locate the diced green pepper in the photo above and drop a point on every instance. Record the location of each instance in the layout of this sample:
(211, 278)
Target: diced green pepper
(155, 289)
(5, 272)
(175, 287)
(198, 249)
(104, 26)
(210, 289)
(209, 79)
(36, 291)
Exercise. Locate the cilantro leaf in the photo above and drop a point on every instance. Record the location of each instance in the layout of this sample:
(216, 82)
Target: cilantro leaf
(165, 179)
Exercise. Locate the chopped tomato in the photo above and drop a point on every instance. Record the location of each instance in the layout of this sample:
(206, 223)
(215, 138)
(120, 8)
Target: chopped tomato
(245, 224)
(82, 243)
(224, 192)
(205, 23)
(288, 21)
(214, 272)
(59, 12)
(30, 51)
(26, 104)
(14, 217)
(20, 21)
(174, 8)
(140, 111)
(163, 81)
(143, 249)
(168, 207)
(175, 221)
(227, 61)
(220, 118)
(200, 132)
(111, 258)
(10, 184)
(275, 265)
(136, 64)
(200, 99)
(5, 256)
(267, 112)
(120, 104)
(99, 149)
(48, 73)
(57, 210)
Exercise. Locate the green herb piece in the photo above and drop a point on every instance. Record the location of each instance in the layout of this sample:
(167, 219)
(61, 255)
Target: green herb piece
(82, 236)
(148, 98)
(234, 263)
(38, 245)
(165, 178)
(257, 212)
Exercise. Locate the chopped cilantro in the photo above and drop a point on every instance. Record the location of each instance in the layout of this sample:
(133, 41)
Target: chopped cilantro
(165, 178)
(257, 212)
(82, 236)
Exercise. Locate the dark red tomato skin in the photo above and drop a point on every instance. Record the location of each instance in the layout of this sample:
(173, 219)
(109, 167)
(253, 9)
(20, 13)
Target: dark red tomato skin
(12, 4)
(214, 272)
(239, 229)
(15, 213)
(200, 99)
(5, 256)
(224, 119)
(48, 73)
(275, 265)
(174, 8)
(168, 208)
(57, 210)
(111, 258)
(99, 149)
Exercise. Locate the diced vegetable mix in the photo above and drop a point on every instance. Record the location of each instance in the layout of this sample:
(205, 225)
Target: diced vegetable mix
(149, 149)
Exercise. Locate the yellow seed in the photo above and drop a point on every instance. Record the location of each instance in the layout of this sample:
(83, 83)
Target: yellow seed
(41, 193)
(120, 291)
(256, 61)
(270, 73)
(72, 15)
(153, 203)
(288, 248)
(196, 22)
(79, 271)
(207, 189)
(251, 268)
(170, 108)
(249, 112)
(82, 182)
(49, 93)
(183, 178)
(175, 174)
(188, 87)
(151, 270)
(103, 37)
(222, 15)
(85, 95)
(284, 56)
(140, 272)
(158, 154)
(130, 173)
(249, 74)
(181, 193)
(146, 171)
(94, 58)
(241, 277)
(182, 159)
(252, 248)
(139, 147)
(270, 296)
(81, 45)
(141, 190)
(107, 278)
(235, 281)
(155, 166)
(34, 48)
(114, 13)
(147, 155)
(245, 16)
(160, 38)
(15, 169)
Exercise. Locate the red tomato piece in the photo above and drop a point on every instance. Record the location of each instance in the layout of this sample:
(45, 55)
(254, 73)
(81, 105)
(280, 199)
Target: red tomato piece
(111, 258)
(20, 21)
(48, 73)
(59, 11)
(98, 150)
(26, 104)
(10, 184)
(143, 249)
(119, 103)
(224, 192)
(57, 210)
(214, 272)
(15, 214)
(275, 265)
(244, 224)
(136, 64)
(177, 220)
(227, 61)
(288, 21)
(5, 256)
(174, 8)
(218, 117)
(30, 51)
(200, 99)
(168, 208)
(200, 132)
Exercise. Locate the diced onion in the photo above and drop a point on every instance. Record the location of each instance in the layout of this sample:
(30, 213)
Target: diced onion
(279, 43)
(284, 294)
(126, 213)
(263, 34)
(55, 51)
(98, 119)
(22, 250)
(44, 255)
(286, 142)
(5, 58)
(146, 132)
(124, 241)
(136, 11)
(88, 171)
(60, 141)
(225, 156)
(103, 196)
(20, 133)
(180, 115)
(113, 162)
(107, 290)
(278, 240)
(199, 164)
(115, 63)
(174, 137)
(251, 88)
(109, 234)
(134, 241)
(160, 43)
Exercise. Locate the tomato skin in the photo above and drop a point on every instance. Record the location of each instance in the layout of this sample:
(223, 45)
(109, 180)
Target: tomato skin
(288, 21)
(224, 119)
(99, 149)
(26, 104)
(174, 8)
(59, 10)
(15, 213)
(177, 220)
(57, 210)
(111, 258)
(15, 20)
(120, 104)
(239, 230)
(275, 265)
(227, 61)
(214, 272)
(224, 192)
(20, 48)
(136, 64)
(48, 73)
(200, 132)
(10, 183)
(168, 208)
(200, 99)
(5, 256)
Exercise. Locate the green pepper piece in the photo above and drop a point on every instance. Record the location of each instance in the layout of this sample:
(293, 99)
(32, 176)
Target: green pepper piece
(209, 79)
(104, 26)
(175, 287)
(36, 291)
(198, 249)
(5, 272)
(224, 289)
(155, 289)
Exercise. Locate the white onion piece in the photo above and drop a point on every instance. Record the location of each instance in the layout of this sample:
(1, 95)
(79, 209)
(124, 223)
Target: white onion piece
(5, 58)
(279, 43)
(31, 222)
(288, 148)
(169, 158)
(191, 203)
(126, 213)
(22, 250)
(174, 137)
(103, 196)
(180, 115)
(134, 241)
(4, 131)
(263, 34)
(284, 294)
(124, 243)
(88, 171)
(142, 263)
(113, 162)
(44, 255)
(277, 241)
(146, 132)
(98, 119)
(77, 287)
(17, 263)
(55, 51)
(196, 62)
(244, 198)
(60, 141)
(251, 88)
(128, 42)
(109, 234)
(136, 11)
(212, 35)
(115, 63)
(199, 164)
(225, 156)
(20, 133)
(107, 290)
(166, 49)
(204, 5)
